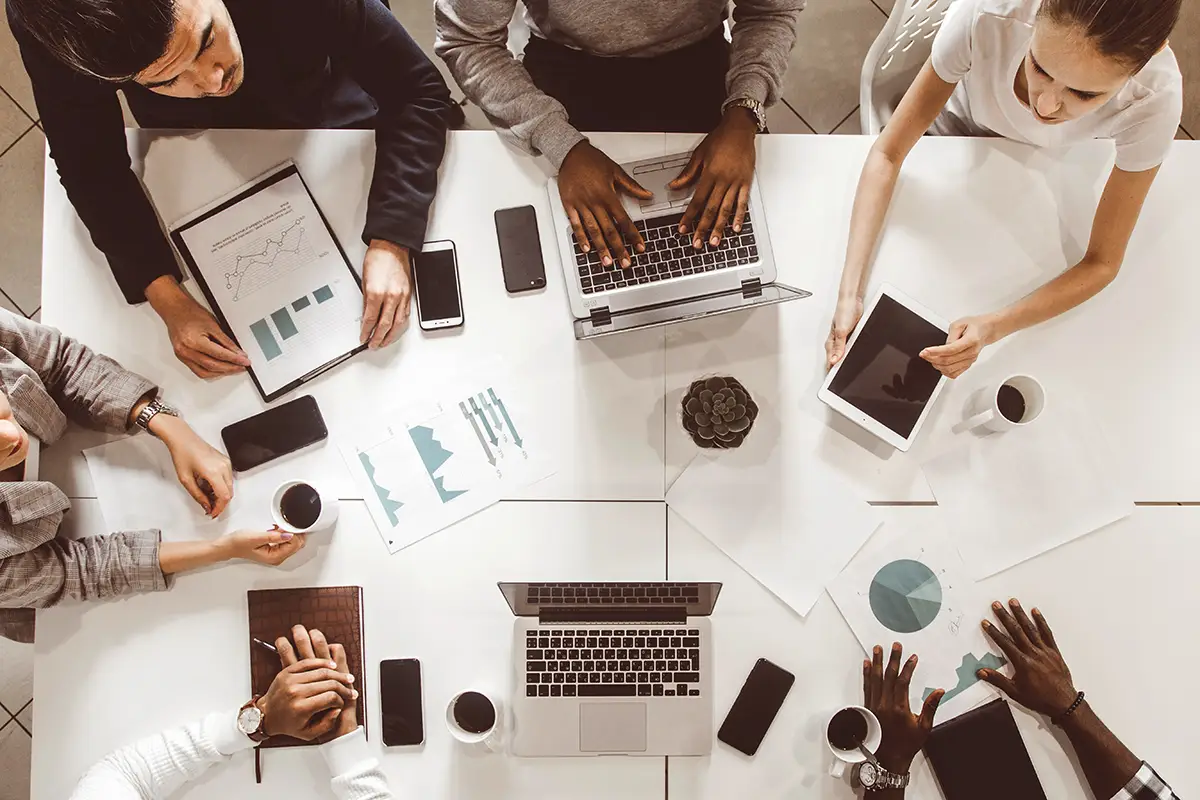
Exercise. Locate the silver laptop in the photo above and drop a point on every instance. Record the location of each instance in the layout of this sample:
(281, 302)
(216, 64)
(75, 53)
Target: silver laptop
(612, 668)
(671, 281)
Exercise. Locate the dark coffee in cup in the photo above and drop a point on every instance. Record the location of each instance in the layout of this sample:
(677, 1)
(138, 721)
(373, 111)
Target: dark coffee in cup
(1011, 403)
(474, 713)
(847, 730)
(300, 506)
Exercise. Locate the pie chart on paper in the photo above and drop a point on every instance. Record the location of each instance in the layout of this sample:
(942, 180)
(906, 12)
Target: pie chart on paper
(905, 596)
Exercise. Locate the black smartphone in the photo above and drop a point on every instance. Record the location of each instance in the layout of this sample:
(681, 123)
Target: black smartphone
(520, 249)
(274, 433)
(755, 707)
(439, 294)
(400, 699)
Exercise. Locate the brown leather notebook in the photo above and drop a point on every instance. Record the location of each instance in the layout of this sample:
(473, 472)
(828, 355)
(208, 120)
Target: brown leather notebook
(335, 611)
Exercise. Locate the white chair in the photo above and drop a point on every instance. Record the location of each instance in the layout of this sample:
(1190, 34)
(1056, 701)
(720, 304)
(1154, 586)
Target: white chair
(902, 48)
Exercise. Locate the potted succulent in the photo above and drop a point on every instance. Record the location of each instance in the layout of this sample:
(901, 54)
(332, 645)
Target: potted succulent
(718, 412)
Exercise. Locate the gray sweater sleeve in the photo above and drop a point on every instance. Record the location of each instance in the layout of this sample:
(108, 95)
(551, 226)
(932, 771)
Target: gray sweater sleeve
(472, 38)
(764, 32)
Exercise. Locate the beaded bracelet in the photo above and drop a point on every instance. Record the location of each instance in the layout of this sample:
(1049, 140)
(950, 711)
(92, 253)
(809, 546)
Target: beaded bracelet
(1061, 718)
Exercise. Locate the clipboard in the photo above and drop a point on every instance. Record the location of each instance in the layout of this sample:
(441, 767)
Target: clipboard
(267, 240)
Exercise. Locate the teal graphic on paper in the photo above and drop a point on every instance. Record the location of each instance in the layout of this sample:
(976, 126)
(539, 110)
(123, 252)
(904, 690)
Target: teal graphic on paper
(323, 294)
(487, 451)
(507, 420)
(905, 596)
(301, 304)
(283, 321)
(390, 506)
(433, 456)
(966, 673)
(266, 339)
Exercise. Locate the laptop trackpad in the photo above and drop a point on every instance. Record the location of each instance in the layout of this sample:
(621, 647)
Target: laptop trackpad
(612, 727)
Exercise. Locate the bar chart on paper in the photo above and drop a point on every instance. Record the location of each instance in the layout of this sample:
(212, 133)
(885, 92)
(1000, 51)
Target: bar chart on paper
(427, 467)
(275, 329)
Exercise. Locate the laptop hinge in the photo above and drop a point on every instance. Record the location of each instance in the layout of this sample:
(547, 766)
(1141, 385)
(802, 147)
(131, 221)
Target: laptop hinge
(611, 614)
(601, 316)
(752, 288)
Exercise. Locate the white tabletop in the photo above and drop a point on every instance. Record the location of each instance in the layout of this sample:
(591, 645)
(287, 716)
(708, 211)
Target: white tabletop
(108, 673)
(1116, 600)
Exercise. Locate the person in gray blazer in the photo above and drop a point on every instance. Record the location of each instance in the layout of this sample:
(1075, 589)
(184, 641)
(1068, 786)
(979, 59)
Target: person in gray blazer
(45, 379)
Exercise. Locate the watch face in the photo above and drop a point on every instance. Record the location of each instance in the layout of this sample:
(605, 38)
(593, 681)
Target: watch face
(249, 720)
(867, 774)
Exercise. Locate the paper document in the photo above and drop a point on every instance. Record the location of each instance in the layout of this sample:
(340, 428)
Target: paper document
(776, 510)
(1012, 496)
(912, 587)
(429, 465)
(270, 266)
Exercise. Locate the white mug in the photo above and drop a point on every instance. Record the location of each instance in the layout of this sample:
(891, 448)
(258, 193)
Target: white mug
(843, 757)
(1033, 394)
(491, 739)
(326, 518)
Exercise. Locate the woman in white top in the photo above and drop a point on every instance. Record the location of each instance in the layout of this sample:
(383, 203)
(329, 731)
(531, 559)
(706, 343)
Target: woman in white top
(1047, 73)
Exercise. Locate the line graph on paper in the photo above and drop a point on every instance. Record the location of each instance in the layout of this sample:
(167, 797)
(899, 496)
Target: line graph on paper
(265, 261)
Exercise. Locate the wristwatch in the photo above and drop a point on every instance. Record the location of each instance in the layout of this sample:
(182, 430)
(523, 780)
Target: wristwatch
(755, 107)
(871, 775)
(251, 719)
(152, 410)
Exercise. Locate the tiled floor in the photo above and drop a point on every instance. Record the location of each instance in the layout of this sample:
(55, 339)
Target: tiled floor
(820, 96)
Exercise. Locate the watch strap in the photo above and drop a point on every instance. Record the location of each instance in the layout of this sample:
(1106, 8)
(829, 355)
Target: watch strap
(152, 410)
(258, 736)
(753, 106)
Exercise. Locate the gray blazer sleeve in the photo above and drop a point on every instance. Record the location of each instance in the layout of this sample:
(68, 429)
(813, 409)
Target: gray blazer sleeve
(92, 389)
(764, 32)
(92, 568)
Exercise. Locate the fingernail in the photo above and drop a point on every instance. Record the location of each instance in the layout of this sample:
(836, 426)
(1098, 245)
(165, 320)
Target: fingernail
(696, 243)
(980, 674)
(354, 694)
(737, 228)
(285, 535)
(1014, 601)
(714, 241)
(332, 664)
(641, 248)
(682, 229)
(1037, 611)
(913, 659)
(625, 262)
(350, 679)
(996, 605)
(337, 712)
(585, 247)
(878, 650)
(986, 624)
(607, 261)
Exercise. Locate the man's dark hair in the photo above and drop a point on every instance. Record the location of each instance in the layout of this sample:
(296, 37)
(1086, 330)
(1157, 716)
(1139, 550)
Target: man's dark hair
(1131, 31)
(111, 39)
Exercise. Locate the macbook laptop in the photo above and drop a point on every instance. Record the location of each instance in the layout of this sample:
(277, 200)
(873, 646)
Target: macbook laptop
(671, 281)
(612, 668)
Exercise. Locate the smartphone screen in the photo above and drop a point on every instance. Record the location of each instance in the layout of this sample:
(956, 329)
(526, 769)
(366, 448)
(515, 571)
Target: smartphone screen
(520, 249)
(274, 433)
(438, 297)
(756, 706)
(400, 698)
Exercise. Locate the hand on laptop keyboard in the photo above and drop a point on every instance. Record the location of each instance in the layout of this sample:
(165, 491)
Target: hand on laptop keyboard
(588, 182)
(722, 168)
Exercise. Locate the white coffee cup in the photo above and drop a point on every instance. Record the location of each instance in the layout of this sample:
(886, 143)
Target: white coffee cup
(987, 404)
(841, 758)
(492, 738)
(325, 519)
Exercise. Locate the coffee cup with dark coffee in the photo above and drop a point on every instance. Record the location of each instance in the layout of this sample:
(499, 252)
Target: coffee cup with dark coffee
(849, 731)
(474, 718)
(303, 507)
(1013, 403)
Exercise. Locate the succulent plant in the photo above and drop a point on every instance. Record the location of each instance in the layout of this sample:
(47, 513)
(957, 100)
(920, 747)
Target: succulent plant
(718, 412)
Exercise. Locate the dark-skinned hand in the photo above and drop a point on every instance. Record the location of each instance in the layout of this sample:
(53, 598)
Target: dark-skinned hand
(1041, 680)
(885, 694)
(588, 183)
(721, 169)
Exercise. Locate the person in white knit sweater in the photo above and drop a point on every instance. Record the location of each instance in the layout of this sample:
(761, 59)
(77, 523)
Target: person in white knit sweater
(312, 697)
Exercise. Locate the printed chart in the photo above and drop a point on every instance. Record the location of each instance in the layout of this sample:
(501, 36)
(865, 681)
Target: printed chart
(426, 467)
(268, 260)
(276, 328)
(913, 588)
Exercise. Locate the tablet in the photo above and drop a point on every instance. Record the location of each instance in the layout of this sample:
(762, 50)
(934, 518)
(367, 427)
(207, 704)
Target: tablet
(882, 383)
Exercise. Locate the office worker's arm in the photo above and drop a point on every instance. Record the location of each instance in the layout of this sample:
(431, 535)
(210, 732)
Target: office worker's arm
(1042, 683)
(885, 694)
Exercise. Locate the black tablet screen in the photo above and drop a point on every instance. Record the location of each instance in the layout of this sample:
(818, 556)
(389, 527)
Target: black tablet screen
(883, 375)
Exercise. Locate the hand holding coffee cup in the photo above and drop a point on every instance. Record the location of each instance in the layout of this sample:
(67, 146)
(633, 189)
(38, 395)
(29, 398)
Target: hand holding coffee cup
(301, 507)
(1017, 401)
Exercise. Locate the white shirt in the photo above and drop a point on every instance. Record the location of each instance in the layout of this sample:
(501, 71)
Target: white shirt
(159, 765)
(980, 47)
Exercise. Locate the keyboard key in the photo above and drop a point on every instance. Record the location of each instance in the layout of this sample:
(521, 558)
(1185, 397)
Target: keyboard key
(643, 677)
(568, 690)
(670, 692)
(643, 690)
(612, 666)
(693, 693)
(606, 677)
(559, 678)
(687, 677)
(669, 654)
(534, 655)
(572, 677)
(676, 641)
(624, 666)
(691, 641)
(556, 691)
(608, 690)
(531, 691)
(561, 655)
(658, 690)
(535, 666)
(619, 677)
(631, 677)
(532, 678)
(543, 690)
(672, 666)
(657, 677)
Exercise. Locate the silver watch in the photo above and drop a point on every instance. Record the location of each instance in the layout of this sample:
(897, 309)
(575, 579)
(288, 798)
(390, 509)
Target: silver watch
(871, 775)
(756, 108)
(152, 410)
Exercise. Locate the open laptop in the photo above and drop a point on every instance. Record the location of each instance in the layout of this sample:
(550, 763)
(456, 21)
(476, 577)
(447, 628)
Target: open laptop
(671, 281)
(612, 668)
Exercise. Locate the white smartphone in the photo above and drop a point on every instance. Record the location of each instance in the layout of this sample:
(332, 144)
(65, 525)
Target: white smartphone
(439, 294)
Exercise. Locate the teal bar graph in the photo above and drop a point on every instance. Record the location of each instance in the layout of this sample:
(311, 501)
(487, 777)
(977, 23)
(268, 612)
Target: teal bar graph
(323, 294)
(283, 321)
(301, 304)
(266, 340)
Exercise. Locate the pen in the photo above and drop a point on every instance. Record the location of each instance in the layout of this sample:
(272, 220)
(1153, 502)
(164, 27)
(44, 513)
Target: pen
(261, 643)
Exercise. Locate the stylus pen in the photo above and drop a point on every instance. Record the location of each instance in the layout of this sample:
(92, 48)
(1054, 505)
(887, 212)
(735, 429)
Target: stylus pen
(261, 643)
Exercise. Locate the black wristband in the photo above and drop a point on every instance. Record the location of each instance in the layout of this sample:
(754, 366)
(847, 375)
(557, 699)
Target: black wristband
(1061, 718)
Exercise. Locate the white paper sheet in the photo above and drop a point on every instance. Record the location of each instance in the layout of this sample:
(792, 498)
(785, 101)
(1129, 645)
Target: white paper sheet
(280, 280)
(1012, 496)
(912, 587)
(426, 466)
(776, 510)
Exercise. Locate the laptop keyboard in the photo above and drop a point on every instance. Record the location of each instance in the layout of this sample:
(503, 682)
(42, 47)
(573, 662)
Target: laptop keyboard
(639, 661)
(577, 594)
(669, 254)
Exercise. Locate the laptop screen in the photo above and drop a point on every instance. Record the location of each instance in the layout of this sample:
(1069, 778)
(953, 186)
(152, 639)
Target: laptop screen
(530, 599)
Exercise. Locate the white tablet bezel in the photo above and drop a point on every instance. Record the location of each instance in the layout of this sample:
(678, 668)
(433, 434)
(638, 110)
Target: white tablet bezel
(857, 415)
